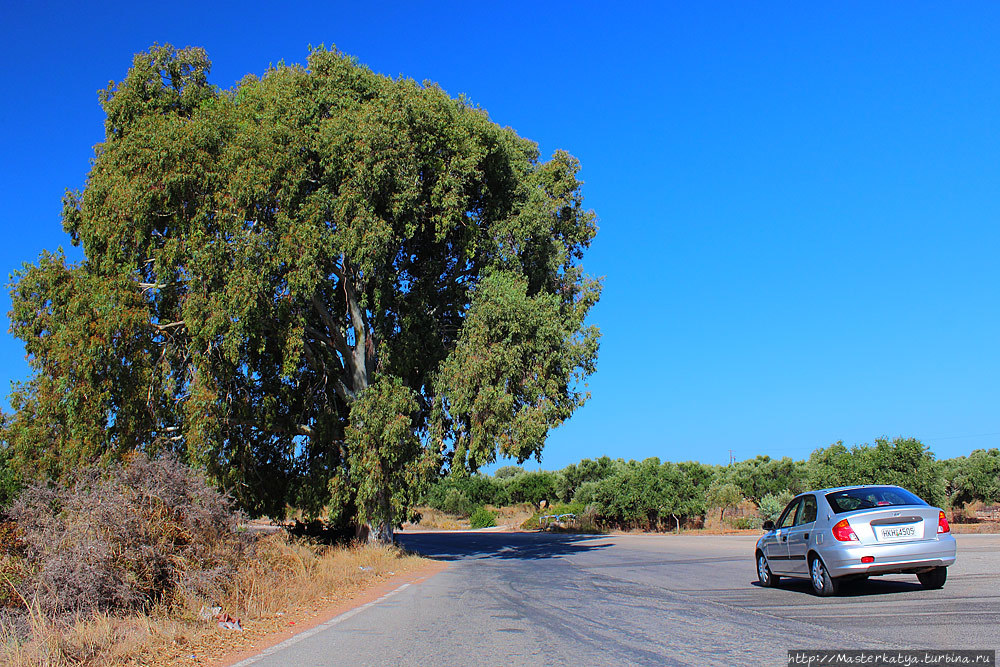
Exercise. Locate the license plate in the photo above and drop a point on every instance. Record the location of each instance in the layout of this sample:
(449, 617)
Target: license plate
(898, 533)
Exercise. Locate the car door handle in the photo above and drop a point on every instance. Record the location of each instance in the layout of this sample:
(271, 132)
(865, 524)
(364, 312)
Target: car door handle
(784, 538)
(805, 536)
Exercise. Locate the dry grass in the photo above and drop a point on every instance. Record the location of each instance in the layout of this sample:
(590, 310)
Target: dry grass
(432, 519)
(965, 519)
(514, 516)
(510, 517)
(983, 527)
(285, 580)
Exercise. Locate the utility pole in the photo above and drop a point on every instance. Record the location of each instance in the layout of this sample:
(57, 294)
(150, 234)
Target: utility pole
(732, 459)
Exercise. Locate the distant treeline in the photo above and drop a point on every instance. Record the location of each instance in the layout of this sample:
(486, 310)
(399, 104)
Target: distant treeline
(653, 494)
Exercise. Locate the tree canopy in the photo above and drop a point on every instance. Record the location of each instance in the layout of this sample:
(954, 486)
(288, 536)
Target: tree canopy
(321, 285)
(975, 477)
(906, 462)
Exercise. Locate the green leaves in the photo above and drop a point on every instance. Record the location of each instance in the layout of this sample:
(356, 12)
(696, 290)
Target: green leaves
(508, 380)
(386, 464)
(162, 80)
(275, 269)
(975, 477)
(645, 493)
(904, 462)
(86, 341)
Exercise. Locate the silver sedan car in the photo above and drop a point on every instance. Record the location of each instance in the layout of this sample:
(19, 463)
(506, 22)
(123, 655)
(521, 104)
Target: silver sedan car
(853, 532)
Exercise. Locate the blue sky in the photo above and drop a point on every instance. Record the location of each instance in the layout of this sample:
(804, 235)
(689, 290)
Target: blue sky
(798, 204)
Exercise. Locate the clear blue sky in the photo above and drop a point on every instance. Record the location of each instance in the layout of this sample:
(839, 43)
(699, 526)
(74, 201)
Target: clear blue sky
(798, 205)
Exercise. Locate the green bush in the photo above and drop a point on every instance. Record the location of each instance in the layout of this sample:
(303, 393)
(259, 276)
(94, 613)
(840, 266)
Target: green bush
(906, 462)
(644, 494)
(770, 506)
(456, 502)
(745, 522)
(757, 477)
(531, 487)
(10, 485)
(570, 478)
(506, 472)
(975, 477)
(482, 518)
(477, 489)
(586, 493)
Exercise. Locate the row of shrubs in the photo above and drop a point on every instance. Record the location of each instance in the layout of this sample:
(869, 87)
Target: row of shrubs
(655, 495)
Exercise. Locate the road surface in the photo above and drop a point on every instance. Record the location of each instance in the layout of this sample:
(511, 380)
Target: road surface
(537, 599)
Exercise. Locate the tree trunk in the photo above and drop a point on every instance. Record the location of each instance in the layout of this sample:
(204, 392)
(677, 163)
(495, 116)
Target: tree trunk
(380, 531)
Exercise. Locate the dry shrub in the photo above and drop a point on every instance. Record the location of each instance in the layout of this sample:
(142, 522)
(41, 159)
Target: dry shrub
(282, 574)
(14, 570)
(126, 538)
(113, 569)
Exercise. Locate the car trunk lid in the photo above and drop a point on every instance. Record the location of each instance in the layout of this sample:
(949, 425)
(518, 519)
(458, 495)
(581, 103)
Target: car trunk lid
(893, 525)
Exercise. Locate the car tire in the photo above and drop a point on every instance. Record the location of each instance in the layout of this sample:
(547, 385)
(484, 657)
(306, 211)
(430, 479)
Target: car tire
(934, 578)
(764, 575)
(823, 584)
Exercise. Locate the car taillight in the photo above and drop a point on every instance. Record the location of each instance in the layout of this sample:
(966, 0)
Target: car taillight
(843, 532)
(943, 526)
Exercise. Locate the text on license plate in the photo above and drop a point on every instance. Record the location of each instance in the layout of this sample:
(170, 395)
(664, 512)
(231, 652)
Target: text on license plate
(898, 532)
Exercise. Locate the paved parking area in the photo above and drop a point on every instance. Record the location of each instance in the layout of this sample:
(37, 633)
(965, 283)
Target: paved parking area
(536, 599)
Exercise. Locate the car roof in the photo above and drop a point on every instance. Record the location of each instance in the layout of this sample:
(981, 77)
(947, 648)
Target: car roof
(833, 489)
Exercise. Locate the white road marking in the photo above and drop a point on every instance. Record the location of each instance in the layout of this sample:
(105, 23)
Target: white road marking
(319, 628)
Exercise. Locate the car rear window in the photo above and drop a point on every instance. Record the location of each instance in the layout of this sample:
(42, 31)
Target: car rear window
(871, 496)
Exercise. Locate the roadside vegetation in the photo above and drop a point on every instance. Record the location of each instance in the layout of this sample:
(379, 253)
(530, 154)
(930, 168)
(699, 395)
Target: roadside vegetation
(615, 494)
(306, 296)
(138, 563)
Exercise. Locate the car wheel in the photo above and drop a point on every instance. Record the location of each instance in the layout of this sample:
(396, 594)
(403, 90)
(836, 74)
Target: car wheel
(823, 584)
(933, 579)
(764, 575)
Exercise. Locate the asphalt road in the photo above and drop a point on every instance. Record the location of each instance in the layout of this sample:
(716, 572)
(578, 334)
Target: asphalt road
(536, 599)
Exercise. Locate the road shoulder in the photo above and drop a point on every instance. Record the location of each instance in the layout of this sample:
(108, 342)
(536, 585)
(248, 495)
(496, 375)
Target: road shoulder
(257, 640)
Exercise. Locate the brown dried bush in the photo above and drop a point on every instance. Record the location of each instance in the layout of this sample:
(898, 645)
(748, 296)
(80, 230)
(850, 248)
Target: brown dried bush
(143, 533)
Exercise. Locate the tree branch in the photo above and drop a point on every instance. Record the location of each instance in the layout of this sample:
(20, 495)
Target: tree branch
(334, 378)
(169, 325)
(336, 334)
(362, 373)
(296, 429)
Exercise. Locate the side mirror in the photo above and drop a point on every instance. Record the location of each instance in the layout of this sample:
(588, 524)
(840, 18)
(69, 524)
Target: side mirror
(768, 525)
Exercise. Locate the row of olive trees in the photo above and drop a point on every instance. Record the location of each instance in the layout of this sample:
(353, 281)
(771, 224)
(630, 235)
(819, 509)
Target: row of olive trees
(651, 494)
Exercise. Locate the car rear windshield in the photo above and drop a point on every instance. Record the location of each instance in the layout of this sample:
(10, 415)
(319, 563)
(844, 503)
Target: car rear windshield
(870, 496)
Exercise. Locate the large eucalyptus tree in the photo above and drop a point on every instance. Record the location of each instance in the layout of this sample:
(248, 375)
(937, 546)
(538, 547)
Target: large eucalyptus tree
(322, 285)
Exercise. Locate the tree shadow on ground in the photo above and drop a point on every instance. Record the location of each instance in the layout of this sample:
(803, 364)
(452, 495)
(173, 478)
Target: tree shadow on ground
(460, 545)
